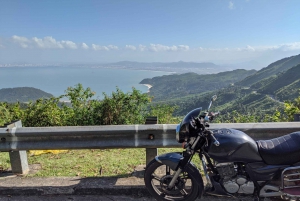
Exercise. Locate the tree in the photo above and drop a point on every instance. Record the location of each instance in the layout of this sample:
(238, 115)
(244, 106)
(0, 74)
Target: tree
(164, 113)
(81, 112)
(44, 112)
(291, 108)
(5, 116)
(122, 108)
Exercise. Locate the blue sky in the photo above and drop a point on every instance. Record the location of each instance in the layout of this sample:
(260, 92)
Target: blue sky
(219, 31)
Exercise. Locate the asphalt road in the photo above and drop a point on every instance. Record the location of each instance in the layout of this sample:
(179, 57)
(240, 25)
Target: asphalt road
(101, 198)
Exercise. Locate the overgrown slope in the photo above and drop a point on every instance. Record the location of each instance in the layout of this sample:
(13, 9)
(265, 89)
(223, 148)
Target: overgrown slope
(180, 85)
(260, 93)
(270, 70)
(22, 94)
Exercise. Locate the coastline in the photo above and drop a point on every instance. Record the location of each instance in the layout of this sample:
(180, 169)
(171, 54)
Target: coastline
(149, 87)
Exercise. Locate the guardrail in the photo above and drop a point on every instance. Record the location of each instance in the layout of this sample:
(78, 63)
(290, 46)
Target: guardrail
(16, 139)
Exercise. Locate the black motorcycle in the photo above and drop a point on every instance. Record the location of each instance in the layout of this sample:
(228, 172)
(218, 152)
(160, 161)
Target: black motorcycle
(233, 164)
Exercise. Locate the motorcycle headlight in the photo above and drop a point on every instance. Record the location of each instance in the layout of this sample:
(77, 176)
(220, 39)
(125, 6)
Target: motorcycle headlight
(182, 133)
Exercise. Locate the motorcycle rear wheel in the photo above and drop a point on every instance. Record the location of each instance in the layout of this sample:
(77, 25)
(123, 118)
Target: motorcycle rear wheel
(158, 176)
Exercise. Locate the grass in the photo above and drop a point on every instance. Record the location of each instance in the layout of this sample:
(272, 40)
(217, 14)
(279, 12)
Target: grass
(87, 163)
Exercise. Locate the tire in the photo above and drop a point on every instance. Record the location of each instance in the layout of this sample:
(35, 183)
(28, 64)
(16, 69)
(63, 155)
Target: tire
(157, 177)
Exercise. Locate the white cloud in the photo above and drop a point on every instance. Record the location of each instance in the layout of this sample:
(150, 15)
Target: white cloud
(231, 5)
(112, 47)
(47, 42)
(98, 47)
(283, 47)
(22, 41)
(183, 47)
(84, 46)
(43, 43)
(106, 48)
(130, 47)
(155, 51)
(290, 46)
(142, 48)
(69, 44)
(159, 48)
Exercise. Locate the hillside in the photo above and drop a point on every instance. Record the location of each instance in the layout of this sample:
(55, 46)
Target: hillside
(270, 70)
(264, 92)
(280, 85)
(22, 94)
(180, 85)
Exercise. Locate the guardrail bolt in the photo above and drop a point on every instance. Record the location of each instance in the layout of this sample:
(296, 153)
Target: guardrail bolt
(151, 137)
(151, 152)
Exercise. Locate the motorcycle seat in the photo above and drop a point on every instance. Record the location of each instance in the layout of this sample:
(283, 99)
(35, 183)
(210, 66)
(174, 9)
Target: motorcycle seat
(284, 150)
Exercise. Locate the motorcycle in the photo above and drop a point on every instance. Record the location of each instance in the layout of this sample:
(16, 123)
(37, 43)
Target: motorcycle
(233, 164)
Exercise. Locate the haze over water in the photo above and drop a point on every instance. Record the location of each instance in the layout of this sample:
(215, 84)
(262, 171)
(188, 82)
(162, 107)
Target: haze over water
(56, 80)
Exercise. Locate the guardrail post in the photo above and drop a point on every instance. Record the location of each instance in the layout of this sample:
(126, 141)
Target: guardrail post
(18, 159)
(151, 152)
(296, 117)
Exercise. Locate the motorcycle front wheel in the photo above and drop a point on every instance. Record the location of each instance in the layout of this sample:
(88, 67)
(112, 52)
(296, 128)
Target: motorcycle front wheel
(157, 178)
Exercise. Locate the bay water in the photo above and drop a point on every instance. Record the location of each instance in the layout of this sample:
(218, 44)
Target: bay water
(56, 80)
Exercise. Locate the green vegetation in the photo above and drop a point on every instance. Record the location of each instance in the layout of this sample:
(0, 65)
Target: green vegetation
(174, 86)
(271, 94)
(272, 69)
(22, 94)
(260, 93)
(115, 109)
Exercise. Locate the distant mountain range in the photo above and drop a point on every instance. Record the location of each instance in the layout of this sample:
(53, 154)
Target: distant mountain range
(22, 94)
(178, 67)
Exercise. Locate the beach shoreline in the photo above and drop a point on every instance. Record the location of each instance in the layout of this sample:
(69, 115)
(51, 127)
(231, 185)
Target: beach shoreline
(149, 87)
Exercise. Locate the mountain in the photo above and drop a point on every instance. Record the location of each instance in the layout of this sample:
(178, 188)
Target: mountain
(285, 85)
(260, 92)
(179, 85)
(179, 64)
(271, 70)
(178, 67)
(22, 94)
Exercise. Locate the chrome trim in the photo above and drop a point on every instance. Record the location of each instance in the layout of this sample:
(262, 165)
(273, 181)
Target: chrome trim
(285, 177)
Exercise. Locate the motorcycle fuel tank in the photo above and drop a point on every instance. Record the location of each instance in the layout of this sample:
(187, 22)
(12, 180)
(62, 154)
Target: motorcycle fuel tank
(235, 146)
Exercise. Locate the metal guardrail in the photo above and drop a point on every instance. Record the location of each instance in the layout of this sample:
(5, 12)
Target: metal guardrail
(16, 139)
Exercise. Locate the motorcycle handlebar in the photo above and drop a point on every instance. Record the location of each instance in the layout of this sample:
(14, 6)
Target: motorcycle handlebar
(216, 142)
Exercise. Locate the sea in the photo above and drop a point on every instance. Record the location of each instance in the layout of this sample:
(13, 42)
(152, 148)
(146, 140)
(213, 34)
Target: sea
(55, 80)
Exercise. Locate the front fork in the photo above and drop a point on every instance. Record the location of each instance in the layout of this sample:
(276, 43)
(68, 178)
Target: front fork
(204, 165)
(187, 157)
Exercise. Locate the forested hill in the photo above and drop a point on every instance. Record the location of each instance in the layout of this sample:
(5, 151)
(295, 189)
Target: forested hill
(180, 85)
(22, 94)
(261, 92)
(283, 86)
(271, 70)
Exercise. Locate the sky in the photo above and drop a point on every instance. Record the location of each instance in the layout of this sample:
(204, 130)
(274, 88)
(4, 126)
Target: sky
(243, 32)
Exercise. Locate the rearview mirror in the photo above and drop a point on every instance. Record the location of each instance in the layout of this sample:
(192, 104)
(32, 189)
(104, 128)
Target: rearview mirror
(213, 98)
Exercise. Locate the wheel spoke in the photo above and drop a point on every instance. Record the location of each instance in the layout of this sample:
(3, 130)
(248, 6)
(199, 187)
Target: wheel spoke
(183, 192)
(162, 194)
(154, 176)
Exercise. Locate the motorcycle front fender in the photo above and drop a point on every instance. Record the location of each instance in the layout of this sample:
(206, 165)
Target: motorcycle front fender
(172, 160)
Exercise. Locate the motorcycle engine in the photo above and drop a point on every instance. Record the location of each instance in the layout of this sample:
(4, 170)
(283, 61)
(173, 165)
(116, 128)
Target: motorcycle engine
(232, 181)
